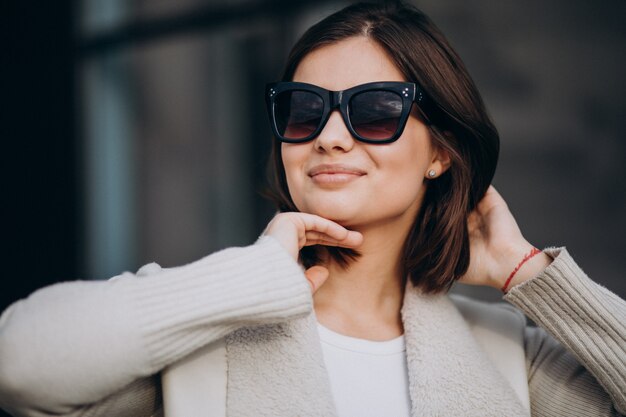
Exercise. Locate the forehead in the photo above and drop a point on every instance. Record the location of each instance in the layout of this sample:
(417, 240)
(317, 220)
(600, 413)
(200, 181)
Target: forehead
(347, 63)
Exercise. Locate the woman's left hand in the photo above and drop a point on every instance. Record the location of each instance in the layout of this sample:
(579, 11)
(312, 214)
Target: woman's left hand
(497, 246)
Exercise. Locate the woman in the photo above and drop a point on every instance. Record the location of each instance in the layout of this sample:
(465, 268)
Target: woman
(383, 160)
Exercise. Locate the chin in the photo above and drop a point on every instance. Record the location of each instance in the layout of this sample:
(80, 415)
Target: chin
(339, 213)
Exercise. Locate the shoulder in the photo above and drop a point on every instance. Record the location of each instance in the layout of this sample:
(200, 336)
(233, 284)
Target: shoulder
(499, 317)
(499, 329)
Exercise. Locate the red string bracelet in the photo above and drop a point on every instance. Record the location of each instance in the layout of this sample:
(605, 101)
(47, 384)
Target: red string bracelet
(529, 255)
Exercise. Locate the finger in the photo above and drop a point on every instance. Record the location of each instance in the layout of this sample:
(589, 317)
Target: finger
(290, 230)
(492, 190)
(474, 221)
(491, 199)
(316, 275)
(331, 229)
(353, 240)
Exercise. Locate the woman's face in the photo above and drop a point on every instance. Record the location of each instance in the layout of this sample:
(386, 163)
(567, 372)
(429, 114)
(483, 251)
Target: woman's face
(354, 183)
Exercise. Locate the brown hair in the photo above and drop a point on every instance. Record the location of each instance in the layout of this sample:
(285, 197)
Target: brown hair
(436, 251)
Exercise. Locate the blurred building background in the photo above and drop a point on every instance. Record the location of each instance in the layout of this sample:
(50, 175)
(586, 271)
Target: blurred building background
(137, 129)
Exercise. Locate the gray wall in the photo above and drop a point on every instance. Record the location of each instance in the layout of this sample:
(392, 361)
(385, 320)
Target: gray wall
(176, 136)
(551, 74)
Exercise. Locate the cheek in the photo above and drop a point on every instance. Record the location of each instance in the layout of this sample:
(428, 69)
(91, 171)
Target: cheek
(418, 152)
(293, 158)
(407, 165)
(290, 158)
(405, 180)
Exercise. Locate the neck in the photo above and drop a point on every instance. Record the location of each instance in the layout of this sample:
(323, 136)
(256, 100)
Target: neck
(364, 299)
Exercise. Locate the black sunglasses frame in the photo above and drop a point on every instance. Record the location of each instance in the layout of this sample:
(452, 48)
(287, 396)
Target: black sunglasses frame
(408, 92)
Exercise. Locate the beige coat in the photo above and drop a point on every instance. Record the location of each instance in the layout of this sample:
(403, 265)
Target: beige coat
(464, 358)
(92, 349)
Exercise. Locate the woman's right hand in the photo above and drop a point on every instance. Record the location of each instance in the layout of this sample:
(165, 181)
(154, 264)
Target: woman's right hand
(296, 230)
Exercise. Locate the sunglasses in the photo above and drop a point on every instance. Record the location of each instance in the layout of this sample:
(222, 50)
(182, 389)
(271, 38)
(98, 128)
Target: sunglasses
(373, 113)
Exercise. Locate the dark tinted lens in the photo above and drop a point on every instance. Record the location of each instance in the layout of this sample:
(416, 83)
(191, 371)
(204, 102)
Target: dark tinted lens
(375, 115)
(298, 113)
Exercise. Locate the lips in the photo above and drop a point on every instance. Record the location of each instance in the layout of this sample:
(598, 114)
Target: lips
(334, 173)
(335, 169)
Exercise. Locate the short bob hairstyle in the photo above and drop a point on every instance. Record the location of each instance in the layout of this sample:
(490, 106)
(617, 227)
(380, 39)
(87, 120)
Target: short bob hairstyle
(436, 252)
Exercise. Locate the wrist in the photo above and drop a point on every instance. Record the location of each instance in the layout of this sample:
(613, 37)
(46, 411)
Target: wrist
(517, 264)
(528, 270)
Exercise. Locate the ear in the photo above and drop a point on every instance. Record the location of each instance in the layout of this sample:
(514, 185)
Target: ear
(439, 163)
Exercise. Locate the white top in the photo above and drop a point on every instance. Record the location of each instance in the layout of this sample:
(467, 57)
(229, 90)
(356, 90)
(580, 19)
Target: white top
(367, 378)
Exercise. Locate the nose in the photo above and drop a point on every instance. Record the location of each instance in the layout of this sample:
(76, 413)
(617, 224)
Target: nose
(334, 136)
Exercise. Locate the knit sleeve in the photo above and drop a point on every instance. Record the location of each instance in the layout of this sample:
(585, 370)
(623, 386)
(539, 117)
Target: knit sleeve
(576, 356)
(93, 348)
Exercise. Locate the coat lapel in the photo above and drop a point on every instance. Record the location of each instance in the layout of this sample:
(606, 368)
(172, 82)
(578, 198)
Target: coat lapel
(449, 374)
(278, 370)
